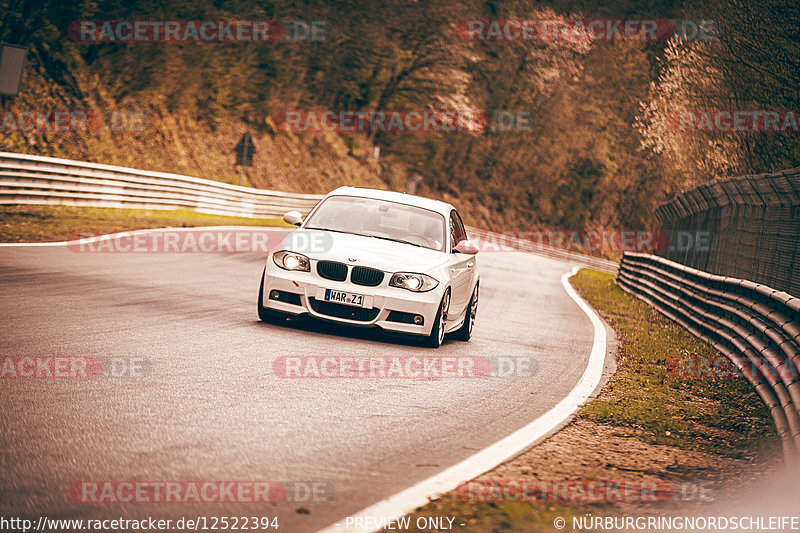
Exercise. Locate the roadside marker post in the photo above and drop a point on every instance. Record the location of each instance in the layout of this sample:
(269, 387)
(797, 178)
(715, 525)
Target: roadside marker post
(244, 154)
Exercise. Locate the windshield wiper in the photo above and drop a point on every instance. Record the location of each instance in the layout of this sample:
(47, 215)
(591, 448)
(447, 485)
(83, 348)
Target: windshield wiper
(369, 235)
(335, 231)
(390, 239)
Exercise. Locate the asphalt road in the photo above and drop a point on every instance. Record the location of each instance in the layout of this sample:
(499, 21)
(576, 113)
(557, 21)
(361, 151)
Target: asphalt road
(211, 407)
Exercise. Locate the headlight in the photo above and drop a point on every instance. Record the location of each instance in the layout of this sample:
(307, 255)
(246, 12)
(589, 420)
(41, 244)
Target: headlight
(291, 261)
(413, 282)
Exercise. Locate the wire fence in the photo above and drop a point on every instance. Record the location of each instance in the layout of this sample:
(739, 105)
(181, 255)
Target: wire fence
(753, 223)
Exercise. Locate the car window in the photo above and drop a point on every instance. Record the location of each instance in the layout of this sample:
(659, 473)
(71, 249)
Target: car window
(462, 232)
(457, 232)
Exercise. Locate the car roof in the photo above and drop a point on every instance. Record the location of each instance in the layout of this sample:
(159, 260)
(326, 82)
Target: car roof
(391, 196)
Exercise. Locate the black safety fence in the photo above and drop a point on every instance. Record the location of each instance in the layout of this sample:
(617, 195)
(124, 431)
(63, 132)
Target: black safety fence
(748, 227)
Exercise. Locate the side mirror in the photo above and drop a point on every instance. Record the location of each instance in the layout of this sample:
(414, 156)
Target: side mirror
(466, 247)
(293, 217)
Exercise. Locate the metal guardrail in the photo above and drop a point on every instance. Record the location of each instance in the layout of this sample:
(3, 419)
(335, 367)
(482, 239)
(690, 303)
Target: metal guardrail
(756, 327)
(29, 179)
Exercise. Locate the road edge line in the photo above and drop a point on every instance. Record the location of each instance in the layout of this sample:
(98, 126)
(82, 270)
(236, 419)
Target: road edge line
(409, 499)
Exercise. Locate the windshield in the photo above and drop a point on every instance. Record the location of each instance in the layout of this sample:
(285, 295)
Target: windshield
(380, 219)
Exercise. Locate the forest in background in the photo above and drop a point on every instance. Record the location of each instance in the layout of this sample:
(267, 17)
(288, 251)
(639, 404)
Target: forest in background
(602, 153)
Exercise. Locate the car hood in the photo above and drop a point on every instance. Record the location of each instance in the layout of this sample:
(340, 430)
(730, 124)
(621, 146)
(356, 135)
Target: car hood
(389, 256)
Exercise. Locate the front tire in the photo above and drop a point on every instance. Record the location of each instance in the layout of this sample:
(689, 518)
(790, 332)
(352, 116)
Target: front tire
(436, 337)
(464, 333)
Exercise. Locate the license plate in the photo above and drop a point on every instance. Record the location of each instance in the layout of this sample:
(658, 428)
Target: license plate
(347, 298)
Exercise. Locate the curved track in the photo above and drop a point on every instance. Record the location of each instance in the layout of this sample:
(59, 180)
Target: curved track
(211, 408)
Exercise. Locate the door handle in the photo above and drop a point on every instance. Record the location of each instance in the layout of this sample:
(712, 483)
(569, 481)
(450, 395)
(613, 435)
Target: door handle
(470, 264)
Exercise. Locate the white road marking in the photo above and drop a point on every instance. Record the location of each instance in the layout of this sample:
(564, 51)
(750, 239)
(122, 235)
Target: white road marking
(409, 499)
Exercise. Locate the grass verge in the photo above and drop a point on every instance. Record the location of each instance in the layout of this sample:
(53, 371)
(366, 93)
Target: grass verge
(41, 223)
(651, 395)
(649, 424)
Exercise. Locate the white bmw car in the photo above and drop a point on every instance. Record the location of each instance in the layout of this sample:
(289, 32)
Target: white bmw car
(368, 257)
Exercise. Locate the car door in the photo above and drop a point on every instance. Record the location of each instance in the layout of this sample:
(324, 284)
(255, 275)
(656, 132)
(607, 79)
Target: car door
(462, 268)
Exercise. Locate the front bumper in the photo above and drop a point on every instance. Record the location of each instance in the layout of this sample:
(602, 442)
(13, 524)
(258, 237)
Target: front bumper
(385, 299)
